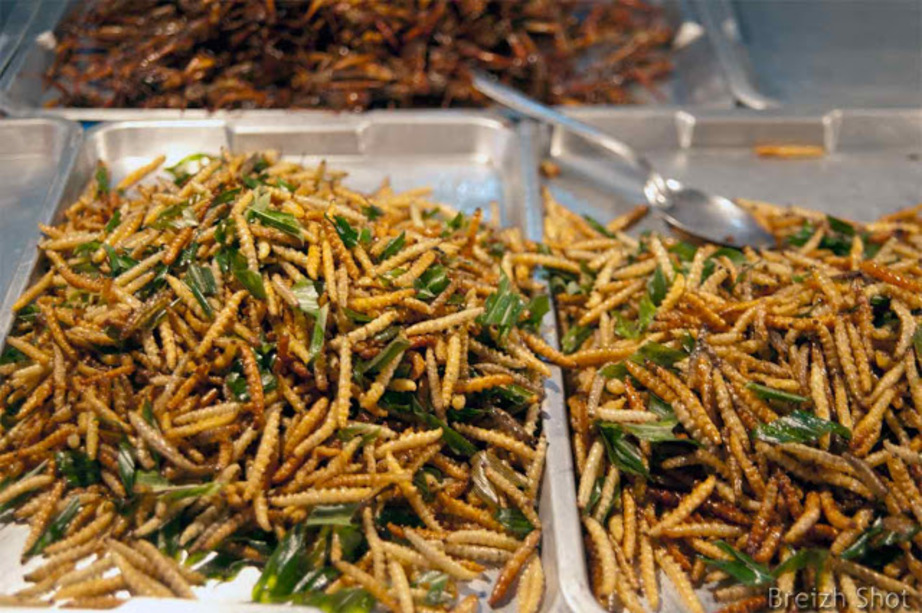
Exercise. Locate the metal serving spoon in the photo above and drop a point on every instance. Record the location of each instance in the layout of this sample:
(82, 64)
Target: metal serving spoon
(706, 216)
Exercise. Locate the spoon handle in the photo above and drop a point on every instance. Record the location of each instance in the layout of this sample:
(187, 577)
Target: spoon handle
(533, 109)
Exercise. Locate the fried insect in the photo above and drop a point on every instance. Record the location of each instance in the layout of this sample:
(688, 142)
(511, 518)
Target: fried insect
(186, 380)
(765, 410)
(355, 55)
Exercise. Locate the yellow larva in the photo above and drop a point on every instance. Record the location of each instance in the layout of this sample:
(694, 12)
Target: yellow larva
(513, 567)
(605, 556)
(43, 515)
(340, 408)
(523, 353)
(673, 296)
(807, 519)
(444, 323)
(648, 572)
(533, 259)
(488, 538)
(531, 586)
(679, 580)
(686, 507)
(508, 488)
(498, 439)
(66, 557)
(401, 586)
(489, 555)
(629, 512)
(410, 440)
(416, 270)
(589, 474)
(96, 586)
(906, 485)
(536, 468)
(610, 303)
(452, 369)
(371, 328)
(267, 448)
(406, 255)
(139, 269)
(369, 399)
(222, 320)
(29, 350)
(242, 227)
(24, 486)
(701, 420)
(318, 497)
(437, 558)
(92, 571)
(139, 583)
(168, 570)
(374, 544)
(435, 385)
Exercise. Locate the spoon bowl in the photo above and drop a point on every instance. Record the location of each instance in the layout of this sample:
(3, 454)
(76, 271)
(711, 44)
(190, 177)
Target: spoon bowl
(692, 211)
(715, 219)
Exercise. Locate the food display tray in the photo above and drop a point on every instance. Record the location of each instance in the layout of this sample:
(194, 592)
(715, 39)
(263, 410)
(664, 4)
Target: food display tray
(821, 53)
(697, 79)
(873, 166)
(469, 159)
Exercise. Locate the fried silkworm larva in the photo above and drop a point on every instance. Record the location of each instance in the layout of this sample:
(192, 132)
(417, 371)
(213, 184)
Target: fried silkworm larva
(679, 580)
(512, 567)
(686, 507)
(605, 555)
(264, 454)
(139, 583)
(401, 586)
(437, 558)
(531, 586)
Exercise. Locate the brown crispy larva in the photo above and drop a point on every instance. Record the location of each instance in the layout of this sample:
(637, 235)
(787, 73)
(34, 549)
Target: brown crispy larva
(264, 454)
(768, 335)
(512, 568)
(260, 324)
(139, 583)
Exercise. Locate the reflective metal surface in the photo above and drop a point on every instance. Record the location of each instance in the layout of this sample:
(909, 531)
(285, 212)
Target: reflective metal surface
(35, 159)
(819, 53)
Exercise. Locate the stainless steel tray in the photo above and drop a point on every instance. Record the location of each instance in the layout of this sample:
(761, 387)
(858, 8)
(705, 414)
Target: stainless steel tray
(873, 166)
(697, 79)
(822, 53)
(470, 160)
(36, 156)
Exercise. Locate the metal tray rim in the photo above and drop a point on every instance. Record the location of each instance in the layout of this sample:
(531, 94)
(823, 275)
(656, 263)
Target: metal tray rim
(278, 119)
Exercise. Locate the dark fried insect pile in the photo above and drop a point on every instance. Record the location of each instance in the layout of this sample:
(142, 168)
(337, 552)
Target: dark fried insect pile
(352, 55)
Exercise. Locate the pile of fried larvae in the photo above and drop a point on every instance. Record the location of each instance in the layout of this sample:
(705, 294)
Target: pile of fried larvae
(245, 363)
(746, 420)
